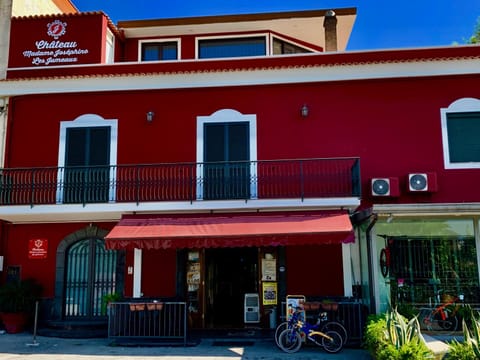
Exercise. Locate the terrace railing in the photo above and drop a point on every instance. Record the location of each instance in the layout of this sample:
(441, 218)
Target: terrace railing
(272, 179)
(165, 321)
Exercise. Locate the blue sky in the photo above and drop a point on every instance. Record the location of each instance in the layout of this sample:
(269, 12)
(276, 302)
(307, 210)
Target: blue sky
(380, 24)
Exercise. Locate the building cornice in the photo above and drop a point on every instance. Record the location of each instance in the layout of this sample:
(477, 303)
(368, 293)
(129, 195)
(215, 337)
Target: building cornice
(431, 209)
(246, 72)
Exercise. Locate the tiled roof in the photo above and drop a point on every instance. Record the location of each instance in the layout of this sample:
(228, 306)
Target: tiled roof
(322, 60)
(111, 25)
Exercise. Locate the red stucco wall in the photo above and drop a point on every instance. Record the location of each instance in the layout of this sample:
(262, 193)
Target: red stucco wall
(392, 125)
(315, 270)
(43, 270)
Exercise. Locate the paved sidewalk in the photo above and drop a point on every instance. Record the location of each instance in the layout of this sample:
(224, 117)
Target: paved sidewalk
(23, 346)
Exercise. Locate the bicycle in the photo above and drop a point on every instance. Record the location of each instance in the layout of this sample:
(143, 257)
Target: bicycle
(322, 323)
(442, 317)
(290, 339)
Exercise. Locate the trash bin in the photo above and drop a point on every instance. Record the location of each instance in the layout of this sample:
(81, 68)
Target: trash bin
(273, 318)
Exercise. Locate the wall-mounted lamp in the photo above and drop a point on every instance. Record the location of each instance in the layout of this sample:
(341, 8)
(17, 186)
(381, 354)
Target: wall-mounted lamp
(304, 110)
(150, 116)
(3, 106)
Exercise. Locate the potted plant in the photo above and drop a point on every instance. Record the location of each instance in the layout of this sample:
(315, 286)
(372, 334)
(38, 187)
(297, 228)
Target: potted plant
(109, 298)
(17, 303)
(329, 305)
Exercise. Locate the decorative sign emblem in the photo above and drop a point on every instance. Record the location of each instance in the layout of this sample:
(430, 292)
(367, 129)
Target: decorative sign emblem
(37, 248)
(56, 29)
(48, 51)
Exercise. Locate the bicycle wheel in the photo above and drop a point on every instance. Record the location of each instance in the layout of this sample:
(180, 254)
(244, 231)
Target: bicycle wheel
(334, 344)
(336, 326)
(278, 331)
(290, 340)
(449, 324)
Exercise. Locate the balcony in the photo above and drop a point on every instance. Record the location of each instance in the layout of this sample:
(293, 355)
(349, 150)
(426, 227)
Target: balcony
(182, 182)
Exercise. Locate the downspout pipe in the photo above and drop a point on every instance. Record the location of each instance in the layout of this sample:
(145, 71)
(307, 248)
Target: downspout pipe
(371, 287)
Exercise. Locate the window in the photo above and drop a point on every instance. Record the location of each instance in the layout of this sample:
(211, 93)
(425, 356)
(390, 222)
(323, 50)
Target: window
(86, 159)
(428, 256)
(461, 133)
(110, 48)
(159, 50)
(281, 47)
(232, 47)
(226, 136)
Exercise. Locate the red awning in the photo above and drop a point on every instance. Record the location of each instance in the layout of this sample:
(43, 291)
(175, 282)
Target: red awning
(232, 230)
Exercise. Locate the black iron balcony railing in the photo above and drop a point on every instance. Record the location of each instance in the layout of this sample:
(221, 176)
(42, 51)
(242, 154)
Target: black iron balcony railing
(273, 179)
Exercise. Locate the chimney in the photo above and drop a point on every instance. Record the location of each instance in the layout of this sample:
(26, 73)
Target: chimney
(330, 25)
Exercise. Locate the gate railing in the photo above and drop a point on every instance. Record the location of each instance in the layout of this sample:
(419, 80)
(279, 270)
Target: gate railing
(269, 179)
(352, 314)
(148, 320)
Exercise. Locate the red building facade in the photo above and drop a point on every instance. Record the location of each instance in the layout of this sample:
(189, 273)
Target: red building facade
(198, 173)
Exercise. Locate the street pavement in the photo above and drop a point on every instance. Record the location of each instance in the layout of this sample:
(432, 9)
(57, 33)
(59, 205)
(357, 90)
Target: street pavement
(26, 346)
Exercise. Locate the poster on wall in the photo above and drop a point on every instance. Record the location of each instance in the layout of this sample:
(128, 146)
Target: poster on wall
(295, 303)
(269, 270)
(269, 290)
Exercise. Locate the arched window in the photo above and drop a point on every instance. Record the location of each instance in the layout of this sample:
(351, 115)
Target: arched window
(460, 129)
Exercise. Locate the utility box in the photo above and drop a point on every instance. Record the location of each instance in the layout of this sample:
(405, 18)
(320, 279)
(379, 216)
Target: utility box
(252, 309)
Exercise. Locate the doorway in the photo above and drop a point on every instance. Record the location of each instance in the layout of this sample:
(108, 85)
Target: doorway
(226, 157)
(231, 273)
(90, 273)
(87, 164)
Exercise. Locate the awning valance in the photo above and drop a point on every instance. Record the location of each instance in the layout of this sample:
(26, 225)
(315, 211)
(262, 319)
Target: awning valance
(230, 230)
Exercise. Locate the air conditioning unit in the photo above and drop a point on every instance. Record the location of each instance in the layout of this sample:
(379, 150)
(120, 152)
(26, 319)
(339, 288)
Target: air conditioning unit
(385, 187)
(252, 309)
(426, 182)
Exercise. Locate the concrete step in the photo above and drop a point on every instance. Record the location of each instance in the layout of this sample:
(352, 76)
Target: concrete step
(437, 345)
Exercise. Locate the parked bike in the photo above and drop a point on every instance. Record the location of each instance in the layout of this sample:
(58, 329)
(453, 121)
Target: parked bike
(443, 315)
(323, 324)
(290, 340)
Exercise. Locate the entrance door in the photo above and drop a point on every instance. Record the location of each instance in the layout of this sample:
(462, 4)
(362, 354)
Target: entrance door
(87, 160)
(231, 273)
(90, 273)
(226, 157)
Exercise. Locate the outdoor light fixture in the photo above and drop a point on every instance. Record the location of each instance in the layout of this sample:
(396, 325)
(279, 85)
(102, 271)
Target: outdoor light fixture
(304, 110)
(150, 116)
(3, 106)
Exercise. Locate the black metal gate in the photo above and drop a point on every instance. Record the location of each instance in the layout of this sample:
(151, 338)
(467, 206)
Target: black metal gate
(90, 273)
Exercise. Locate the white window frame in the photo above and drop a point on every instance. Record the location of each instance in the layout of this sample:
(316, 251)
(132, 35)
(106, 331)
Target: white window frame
(227, 116)
(162, 40)
(238, 36)
(110, 47)
(459, 106)
(88, 120)
(274, 36)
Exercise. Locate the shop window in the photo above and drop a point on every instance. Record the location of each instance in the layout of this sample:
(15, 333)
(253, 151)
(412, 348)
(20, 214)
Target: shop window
(428, 258)
(158, 50)
(460, 131)
(232, 47)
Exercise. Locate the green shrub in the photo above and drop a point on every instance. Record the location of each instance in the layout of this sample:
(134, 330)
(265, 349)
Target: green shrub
(471, 332)
(392, 337)
(374, 336)
(460, 351)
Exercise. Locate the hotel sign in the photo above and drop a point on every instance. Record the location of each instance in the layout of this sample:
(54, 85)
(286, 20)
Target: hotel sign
(37, 248)
(52, 50)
